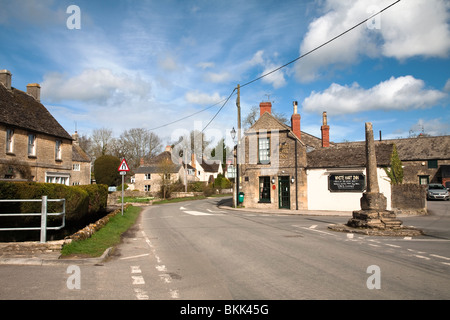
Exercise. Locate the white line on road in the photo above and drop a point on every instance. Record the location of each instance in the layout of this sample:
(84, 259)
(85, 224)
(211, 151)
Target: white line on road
(135, 269)
(440, 257)
(138, 280)
(198, 213)
(138, 256)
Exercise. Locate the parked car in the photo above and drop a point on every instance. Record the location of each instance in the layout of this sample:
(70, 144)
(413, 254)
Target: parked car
(437, 191)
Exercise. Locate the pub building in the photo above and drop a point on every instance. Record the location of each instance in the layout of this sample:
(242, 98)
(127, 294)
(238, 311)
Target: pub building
(283, 167)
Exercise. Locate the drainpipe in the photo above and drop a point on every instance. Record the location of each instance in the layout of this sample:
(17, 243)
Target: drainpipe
(296, 170)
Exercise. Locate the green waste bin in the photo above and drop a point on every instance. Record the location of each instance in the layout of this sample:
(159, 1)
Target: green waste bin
(241, 197)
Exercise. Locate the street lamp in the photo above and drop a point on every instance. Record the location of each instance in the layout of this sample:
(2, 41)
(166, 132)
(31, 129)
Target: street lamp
(233, 134)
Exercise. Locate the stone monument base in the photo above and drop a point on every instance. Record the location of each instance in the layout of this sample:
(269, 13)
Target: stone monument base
(374, 218)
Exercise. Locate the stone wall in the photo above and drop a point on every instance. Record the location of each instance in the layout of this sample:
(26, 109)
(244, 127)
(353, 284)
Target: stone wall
(409, 199)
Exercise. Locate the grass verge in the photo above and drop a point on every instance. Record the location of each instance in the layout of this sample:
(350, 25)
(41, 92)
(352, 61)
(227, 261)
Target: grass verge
(106, 237)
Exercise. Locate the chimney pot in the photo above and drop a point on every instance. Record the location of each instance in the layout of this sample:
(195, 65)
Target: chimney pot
(34, 90)
(5, 78)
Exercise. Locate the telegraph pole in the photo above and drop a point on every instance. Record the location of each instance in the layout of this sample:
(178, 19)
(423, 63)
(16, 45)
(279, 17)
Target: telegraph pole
(238, 105)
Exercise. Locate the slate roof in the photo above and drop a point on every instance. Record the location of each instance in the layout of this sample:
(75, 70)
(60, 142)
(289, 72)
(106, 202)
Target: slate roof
(19, 109)
(79, 155)
(417, 148)
(347, 155)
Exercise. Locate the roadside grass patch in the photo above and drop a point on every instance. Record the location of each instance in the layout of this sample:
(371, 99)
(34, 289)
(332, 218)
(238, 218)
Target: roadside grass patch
(106, 237)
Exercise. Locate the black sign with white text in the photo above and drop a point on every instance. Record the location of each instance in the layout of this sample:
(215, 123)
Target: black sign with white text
(346, 182)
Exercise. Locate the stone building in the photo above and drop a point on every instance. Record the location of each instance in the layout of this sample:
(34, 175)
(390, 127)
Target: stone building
(273, 162)
(159, 171)
(33, 145)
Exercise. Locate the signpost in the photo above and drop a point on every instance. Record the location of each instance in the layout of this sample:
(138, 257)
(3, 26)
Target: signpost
(123, 169)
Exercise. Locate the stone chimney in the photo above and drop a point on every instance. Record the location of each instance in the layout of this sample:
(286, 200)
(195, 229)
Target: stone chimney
(75, 138)
(34, 90)
(325, 128)
(295, 121)
(5, 78)
(265, 107)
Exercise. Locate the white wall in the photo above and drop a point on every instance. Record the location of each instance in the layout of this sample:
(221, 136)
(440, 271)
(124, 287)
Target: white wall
(320, 198)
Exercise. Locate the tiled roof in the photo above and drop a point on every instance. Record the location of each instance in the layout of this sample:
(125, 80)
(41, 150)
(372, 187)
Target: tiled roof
(21, 110)
(418, 148)
(347, 155)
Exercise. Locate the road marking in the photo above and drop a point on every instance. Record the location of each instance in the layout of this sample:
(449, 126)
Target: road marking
(138, 256)
(198, 213)
(320, 231)
(313, 226)
(440, 257)
(141, 294)
(421, 257)
(392, 245)
(135, 269)
(138, 280)
(174, 294)
(161, 268)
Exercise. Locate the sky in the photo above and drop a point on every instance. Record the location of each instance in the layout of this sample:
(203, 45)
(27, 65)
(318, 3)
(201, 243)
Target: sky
(145, 64)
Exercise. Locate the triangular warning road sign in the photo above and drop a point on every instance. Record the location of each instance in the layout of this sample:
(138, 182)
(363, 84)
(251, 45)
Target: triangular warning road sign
(124, 166)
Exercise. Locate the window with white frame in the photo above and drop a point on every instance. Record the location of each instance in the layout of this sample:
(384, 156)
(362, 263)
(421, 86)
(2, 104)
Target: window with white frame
(58, 145)
(147, 187)
(9, 140)
(76, 167)
(148, 176)
(57, 177)
(31, 145)
(264, 150)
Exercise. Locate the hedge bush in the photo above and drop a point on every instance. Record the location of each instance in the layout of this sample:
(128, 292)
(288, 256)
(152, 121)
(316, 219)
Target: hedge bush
(80, 200)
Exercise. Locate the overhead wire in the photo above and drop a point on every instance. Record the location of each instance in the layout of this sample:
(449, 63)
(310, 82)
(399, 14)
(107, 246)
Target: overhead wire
(277, 69)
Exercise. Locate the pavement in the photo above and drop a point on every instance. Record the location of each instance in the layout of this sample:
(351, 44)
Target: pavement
(36, 253)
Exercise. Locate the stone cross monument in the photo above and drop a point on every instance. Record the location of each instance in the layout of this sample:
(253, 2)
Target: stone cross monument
(373, 213)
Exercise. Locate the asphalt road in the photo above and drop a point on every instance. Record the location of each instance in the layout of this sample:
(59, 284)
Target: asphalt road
(197, 251)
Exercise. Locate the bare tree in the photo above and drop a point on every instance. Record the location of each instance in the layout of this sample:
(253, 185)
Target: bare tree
(253, 116)
(101, 142)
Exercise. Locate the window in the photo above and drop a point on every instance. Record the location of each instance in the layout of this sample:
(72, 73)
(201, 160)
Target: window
(147, 187)
(31, 145)
(424, 180)
(432, 164)
(76, 167)
(148, 176)
(58, 144)
(264, 189)
(56, 177)
(264, 150)
(9, 140)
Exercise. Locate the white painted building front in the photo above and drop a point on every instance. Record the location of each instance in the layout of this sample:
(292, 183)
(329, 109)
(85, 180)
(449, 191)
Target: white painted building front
(320, 197)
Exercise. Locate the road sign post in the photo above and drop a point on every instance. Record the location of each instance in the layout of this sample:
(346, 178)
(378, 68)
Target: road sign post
(123, 169)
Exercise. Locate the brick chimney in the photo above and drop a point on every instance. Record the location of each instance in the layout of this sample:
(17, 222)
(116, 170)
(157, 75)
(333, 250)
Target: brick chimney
(325, 128)
(265, 107)
(5, 78)
(34, 90)
(295, 121)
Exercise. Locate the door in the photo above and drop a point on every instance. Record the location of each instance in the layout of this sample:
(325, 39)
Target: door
(284, 193)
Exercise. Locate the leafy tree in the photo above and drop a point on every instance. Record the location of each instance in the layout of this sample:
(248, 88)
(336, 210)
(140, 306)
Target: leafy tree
(105, 170)
(395, 171)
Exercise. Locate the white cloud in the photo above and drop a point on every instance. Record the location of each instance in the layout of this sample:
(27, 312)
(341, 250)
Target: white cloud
(434, 127)
(407, 29)
(197, 97)
(99, 85)
(400, 93)
(447, 86)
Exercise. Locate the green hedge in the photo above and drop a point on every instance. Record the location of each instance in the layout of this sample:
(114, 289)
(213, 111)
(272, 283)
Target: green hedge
(80, 200)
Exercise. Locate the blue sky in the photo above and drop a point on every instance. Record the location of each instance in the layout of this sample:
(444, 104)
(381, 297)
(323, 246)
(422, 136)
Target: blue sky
(142, 64)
